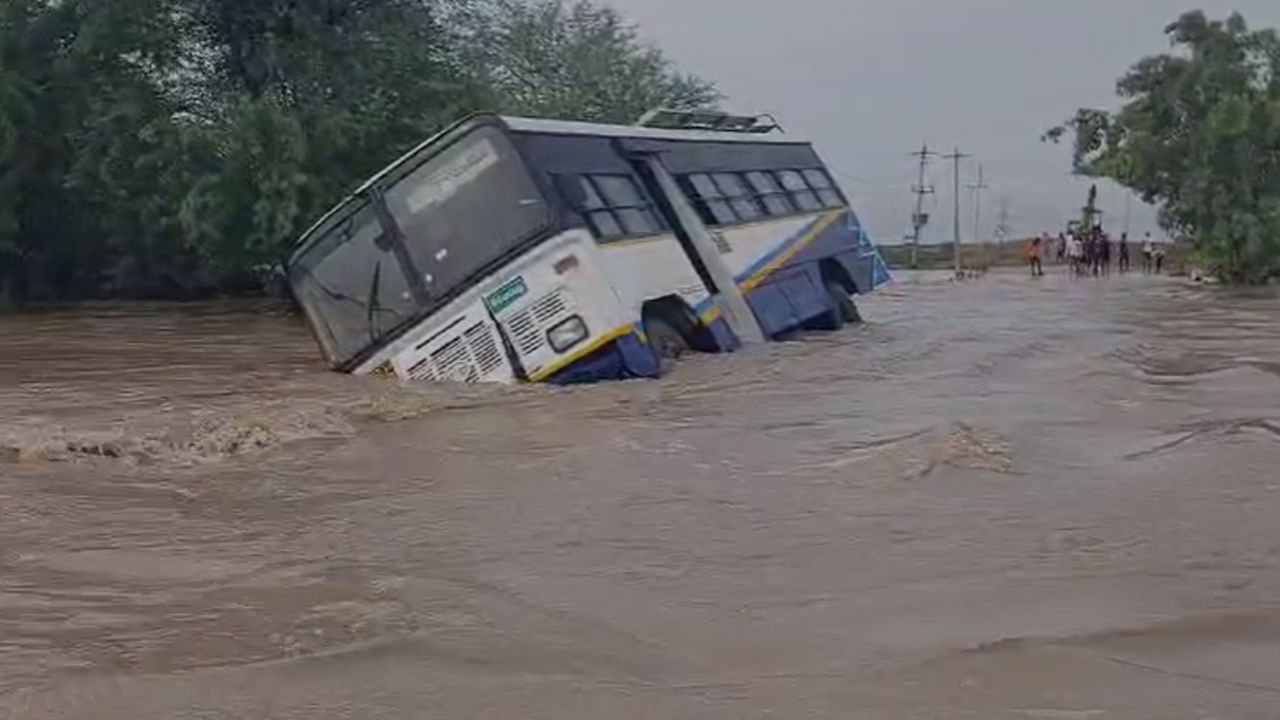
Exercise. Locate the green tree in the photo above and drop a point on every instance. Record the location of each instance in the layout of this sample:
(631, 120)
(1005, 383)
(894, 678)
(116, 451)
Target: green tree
(80, 105)
(581, 61)
(1199, 136)
(172, 148)
(307, 98)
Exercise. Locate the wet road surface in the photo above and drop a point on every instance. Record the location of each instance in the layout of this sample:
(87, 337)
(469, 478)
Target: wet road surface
(1001, 499)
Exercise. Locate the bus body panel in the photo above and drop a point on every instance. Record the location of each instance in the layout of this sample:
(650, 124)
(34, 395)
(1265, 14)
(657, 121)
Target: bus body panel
(649, 268)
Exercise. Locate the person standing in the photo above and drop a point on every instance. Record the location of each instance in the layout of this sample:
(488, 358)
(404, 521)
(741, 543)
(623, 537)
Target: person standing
(1075, 251)
(1062, 248)
(1124, 252)
(1158, 252)
(1035, 249)
(1148, 250)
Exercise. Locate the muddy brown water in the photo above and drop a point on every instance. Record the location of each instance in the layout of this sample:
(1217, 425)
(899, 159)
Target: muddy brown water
(1004, 498)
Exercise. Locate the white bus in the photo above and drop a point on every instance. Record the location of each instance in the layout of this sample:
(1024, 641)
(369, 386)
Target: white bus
(508, 249)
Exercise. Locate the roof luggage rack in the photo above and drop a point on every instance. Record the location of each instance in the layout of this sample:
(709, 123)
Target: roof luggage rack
(709, 120)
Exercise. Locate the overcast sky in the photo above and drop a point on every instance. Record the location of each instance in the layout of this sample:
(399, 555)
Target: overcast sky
(870, 80)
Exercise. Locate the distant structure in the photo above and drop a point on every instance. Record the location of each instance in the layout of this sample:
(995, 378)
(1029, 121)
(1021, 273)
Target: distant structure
(1092, 216)
(977, 189)
(955, 158)
(1002, 227)
(919, 219)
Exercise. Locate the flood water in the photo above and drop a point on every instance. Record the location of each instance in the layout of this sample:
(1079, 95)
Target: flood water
(1005, 498)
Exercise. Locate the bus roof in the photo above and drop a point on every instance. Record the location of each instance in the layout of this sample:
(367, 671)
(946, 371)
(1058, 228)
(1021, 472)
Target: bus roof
(570, 127)
(573, 127)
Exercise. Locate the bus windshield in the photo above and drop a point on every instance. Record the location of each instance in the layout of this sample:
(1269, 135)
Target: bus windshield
(364, 274)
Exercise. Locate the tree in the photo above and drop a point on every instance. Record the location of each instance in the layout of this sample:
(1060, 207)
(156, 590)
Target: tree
(80, 108)
(581, 61)
(1199, 135)
(308, 98)
(175, 148)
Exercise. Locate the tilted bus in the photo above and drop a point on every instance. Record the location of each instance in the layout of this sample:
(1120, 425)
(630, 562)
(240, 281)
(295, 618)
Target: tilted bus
(508, 249)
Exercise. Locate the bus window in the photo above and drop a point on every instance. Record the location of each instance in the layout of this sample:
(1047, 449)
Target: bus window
(804, 198)
(821, 183)
(770, 193)
(352, 285)
(622, 195)
(613, 205)
(591, 205)
(740, 198)
(708, 200)
(465, 207)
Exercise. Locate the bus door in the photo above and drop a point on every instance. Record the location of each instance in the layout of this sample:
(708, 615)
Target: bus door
(651, 186)
(700, 245)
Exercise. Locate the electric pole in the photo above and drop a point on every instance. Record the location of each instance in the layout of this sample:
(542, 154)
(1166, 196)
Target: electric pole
(977, 189)
(1002, 229)
(920, 219)
(956, 157)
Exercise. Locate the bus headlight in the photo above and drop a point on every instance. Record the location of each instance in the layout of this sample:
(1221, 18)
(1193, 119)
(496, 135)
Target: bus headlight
(567, 334)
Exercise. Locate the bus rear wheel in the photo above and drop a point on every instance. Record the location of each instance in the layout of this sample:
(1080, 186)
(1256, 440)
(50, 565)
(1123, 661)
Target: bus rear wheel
(842, 310)
(842, 304)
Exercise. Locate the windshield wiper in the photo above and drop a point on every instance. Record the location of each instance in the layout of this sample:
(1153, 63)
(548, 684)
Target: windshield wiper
(373, 304)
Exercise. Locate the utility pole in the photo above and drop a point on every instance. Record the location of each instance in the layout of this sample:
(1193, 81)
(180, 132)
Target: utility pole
(1128, 210)
(919, 219)
(956, 157)
(977, 189)
(1002, 229)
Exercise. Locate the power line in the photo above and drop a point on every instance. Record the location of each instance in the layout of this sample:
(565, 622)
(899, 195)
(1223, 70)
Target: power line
(919, 219)
(956, 157)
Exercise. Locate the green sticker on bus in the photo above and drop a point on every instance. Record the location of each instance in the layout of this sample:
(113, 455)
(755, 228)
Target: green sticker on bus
(505, 296)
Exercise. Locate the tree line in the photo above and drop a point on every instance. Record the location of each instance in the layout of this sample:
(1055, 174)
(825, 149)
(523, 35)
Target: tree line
(177, 148)
(1198, 135)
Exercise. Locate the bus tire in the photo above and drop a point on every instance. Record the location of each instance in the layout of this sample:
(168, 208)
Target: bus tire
(843, 303)
(668, 344)
(841, 310)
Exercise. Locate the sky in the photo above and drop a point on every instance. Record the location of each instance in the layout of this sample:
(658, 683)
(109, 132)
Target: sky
(870, 81)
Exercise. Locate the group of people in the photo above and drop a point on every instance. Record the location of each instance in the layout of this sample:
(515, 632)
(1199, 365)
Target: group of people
(1090, 253)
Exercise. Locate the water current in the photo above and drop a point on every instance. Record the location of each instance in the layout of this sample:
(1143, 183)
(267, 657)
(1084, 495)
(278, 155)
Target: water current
(1001, 498)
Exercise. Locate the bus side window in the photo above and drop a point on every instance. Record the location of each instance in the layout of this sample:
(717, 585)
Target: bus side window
(739, 197)
(820, 181)
(708, 200)
(623, 195)
(769, 193)
(803, 197)
(613, 205)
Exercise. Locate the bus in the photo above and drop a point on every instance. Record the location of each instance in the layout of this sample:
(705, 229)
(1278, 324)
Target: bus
(510, 249)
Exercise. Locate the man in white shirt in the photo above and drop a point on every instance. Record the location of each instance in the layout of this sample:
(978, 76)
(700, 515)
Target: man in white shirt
(1148, 253)
(1075, 250)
